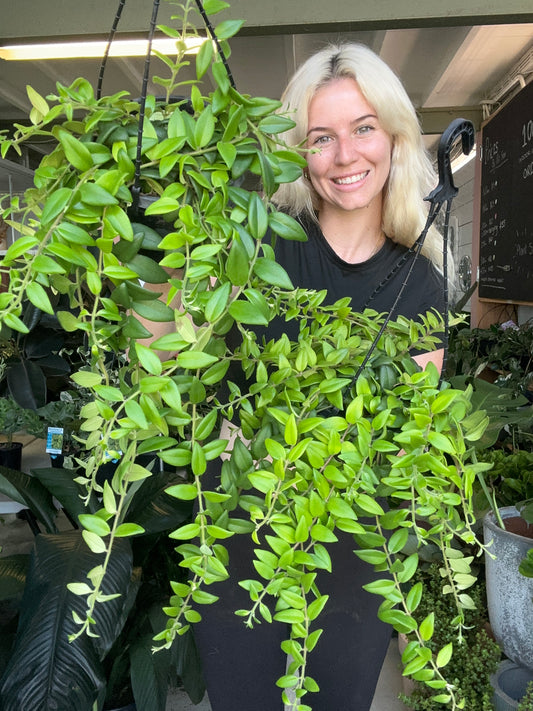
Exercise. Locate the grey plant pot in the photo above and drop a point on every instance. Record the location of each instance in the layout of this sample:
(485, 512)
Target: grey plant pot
(509, 593)
(510, 684)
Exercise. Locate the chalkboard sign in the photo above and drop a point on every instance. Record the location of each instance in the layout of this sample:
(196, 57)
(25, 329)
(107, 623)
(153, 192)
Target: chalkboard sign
(506, 234)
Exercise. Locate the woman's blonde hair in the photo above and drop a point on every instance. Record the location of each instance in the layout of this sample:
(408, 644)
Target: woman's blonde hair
(411, 176)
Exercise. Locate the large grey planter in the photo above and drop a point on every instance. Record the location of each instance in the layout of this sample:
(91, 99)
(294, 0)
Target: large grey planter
(509, 594)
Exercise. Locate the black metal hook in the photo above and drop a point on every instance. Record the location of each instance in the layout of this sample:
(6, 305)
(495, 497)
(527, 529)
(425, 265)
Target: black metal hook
(446, 189)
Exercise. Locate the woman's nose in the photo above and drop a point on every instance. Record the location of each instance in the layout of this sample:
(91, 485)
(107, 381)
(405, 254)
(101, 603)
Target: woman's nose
(346, 150)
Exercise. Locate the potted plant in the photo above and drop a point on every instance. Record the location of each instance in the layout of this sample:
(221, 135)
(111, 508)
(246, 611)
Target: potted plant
(41, 665)
(328, 431)
(12, 420)
(36, 362)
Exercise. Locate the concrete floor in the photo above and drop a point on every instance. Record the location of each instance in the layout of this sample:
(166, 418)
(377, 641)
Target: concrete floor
(15, 536)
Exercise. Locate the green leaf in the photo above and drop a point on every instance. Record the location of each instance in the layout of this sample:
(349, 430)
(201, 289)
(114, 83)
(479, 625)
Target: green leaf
(186, 532)
(205, 128)
(92, 194)
(119, 222)
(38, 297)
(427, 626)
(204, 57)
(287, 227)
(212, 7)
(275, 124)
(257, 217)
(37, 100)
(237, 264)
(290, 616)
(19, 246)
(272, 273)
(184, 492)
(128, 529)
(56, 203)
(192, 360)
(228, 28)
(75, 152)
(444, 655)
(86, 378)
(228, 152)
(245, 312)
(148, 359)
(217, 302)
(94, 542)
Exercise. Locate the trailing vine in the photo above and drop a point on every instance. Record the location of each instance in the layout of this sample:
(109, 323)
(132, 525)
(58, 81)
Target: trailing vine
(313, 452)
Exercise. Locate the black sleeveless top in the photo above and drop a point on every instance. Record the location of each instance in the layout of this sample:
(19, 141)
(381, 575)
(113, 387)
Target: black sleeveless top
(374, 283)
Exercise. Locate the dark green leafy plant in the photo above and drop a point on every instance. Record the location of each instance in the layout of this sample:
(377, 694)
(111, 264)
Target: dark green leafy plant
(42, 667)
(526, 703)
(475, 657)
(316, 442)
(505, 350)
(32, 363)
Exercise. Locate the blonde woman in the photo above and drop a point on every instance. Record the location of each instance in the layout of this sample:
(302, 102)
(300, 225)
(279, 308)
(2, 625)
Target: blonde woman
(360, 201)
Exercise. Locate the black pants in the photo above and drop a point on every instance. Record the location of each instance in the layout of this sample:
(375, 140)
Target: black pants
(241, 665)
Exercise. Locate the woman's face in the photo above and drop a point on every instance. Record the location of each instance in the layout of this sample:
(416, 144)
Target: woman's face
(351, 154)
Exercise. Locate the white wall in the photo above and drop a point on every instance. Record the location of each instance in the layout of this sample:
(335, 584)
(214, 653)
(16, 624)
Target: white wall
(463, 211)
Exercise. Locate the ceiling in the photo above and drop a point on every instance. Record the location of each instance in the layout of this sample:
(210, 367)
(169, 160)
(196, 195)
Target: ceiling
(448, 71)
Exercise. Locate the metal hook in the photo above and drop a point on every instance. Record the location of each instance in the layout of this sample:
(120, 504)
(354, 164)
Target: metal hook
(446, 189)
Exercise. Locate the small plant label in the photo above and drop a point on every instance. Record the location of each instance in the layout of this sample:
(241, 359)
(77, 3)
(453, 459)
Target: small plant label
(54, 440)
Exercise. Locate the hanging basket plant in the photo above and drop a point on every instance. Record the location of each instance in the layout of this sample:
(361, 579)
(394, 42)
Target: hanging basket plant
(325, 438)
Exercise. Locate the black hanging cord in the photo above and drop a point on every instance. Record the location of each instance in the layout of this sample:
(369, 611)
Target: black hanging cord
(444, 192)
(211, 31)
(108, 47)
(136, 188)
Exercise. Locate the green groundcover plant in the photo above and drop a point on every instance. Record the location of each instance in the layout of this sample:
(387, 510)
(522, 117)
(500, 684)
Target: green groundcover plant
(316, 448)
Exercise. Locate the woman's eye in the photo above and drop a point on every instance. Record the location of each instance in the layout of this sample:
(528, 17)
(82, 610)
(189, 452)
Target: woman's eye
(321, 140)
(361, 130)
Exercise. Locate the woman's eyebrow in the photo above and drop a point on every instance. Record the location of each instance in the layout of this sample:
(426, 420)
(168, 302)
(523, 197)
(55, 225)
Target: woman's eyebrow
(356, 120)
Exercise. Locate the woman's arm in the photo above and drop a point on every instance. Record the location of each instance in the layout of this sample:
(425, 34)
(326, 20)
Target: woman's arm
(436, 357)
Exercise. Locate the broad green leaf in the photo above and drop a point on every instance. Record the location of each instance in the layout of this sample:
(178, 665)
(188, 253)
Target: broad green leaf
(257, 217)
(37, 100)
(228, 28)
(427, 626)
(185, 492)
(86, 379)
(38, 297)
(272, 273)
(444, 655)
(195, 359)
(244, 312)
(94, 524)
(19, 247)
(203, 58)
(205, 127)
(276, 124)
(148, 359)
(287, 227)
(55, 205)
(75, 152)
(237, 264)
(96, 195)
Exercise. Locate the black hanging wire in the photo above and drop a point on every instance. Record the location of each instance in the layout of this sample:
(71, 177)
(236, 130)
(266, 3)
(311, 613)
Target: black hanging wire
(213, 36)
(136, 188)
(443, 193)
(110, 39)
